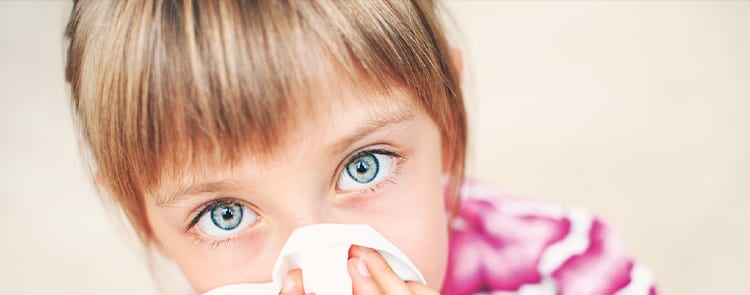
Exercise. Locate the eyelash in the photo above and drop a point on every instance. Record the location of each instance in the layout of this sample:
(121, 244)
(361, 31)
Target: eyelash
(211, 243)
(208, 207)
(199, 239)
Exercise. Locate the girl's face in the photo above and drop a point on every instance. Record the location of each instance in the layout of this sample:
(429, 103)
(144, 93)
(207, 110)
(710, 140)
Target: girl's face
(354, 158)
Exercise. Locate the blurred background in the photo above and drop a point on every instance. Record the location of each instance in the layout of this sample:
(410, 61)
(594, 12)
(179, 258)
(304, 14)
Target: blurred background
(639, 111)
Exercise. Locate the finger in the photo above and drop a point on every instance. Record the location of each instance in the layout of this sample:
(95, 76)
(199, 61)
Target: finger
(362, 282)
(420, 289)
(292, 284)
(382, 273)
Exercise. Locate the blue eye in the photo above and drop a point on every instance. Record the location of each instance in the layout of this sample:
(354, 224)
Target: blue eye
(365, 170)
(225, 218)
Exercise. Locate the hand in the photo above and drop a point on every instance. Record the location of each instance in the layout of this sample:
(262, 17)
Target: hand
(371, 274)
(292, 284)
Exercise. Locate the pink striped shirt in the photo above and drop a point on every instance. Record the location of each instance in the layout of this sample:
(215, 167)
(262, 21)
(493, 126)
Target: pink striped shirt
(502, 244)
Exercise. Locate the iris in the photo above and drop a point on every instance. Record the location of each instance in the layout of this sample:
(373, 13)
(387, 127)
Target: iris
(363, 169)
(227, 216)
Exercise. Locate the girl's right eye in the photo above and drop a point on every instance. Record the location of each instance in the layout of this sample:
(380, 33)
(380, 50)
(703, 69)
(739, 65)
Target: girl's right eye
(225, 218)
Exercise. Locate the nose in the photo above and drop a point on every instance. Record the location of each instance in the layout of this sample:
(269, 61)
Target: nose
(319, 213)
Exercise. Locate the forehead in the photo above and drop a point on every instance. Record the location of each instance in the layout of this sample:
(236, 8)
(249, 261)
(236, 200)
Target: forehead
(338, 102)
(341, 119)
(331, 101)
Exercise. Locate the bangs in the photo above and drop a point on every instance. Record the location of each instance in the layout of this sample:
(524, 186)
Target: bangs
(168, 85)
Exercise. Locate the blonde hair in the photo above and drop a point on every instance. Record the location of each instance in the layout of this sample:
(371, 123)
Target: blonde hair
(160, 85)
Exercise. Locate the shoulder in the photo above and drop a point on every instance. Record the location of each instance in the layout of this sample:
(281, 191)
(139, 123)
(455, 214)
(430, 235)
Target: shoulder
(501, 242)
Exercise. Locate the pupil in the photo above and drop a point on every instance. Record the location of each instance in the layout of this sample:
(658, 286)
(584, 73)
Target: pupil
(362, 167)
(227, 214)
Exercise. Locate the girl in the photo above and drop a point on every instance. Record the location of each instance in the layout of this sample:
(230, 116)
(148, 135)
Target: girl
(219, 127)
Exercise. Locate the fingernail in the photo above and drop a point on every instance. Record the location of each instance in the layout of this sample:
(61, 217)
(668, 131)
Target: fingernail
(361, 250)
(362, 268)
(288, 285)
(356, 250)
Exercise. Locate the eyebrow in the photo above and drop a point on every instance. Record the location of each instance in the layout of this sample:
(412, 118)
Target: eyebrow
(369, 127)
(221, 186)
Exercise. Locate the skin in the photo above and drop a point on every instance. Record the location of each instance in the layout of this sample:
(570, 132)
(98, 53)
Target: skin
(299, 185)
(370, 274)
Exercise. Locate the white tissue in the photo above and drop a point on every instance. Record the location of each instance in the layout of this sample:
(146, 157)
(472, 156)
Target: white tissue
(321, 251)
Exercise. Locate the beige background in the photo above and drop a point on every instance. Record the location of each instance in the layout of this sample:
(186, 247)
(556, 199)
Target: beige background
(639, 111)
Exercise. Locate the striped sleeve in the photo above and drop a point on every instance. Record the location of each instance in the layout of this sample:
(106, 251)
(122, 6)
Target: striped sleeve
(502, 244)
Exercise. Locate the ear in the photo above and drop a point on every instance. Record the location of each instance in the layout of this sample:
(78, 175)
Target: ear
(458, 62)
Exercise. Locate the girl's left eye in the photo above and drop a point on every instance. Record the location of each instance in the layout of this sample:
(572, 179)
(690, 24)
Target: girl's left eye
(365, 170)
(225, 218)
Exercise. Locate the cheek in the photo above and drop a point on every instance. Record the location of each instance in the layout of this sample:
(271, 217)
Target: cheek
(430, 257)
(429, 248)
(418, 227)
(206, 267)
(416, 221)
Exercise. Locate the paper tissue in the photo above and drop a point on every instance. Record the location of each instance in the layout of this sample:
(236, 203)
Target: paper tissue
(321, 252)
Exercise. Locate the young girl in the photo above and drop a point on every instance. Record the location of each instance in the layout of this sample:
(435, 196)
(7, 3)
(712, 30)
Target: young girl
(220, 127)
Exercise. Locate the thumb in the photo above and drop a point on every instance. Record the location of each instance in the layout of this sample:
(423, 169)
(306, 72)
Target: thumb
(292, 284)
